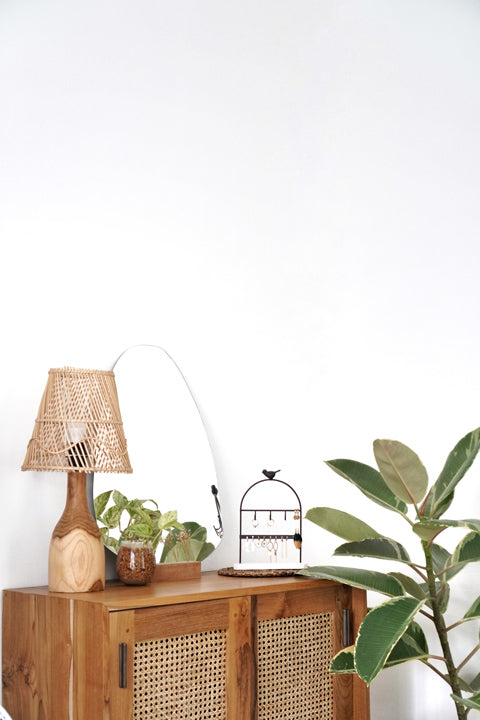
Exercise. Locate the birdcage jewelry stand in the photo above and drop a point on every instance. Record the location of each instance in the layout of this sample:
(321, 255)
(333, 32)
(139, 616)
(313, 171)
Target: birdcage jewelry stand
(269, 534)
(262, 521)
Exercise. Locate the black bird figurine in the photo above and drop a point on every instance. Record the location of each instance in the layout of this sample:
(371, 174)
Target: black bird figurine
(270, 474)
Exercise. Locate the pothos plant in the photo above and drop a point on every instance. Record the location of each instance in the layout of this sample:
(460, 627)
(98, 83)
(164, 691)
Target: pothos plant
(389, 634)
(141, 521)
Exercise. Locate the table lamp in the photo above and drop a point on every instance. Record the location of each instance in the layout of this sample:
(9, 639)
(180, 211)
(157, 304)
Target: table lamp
(79, 430)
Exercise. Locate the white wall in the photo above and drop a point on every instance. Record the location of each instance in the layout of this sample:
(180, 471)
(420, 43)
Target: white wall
(284, 195)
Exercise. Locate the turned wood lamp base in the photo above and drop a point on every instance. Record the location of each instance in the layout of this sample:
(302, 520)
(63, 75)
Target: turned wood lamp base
(76, 560)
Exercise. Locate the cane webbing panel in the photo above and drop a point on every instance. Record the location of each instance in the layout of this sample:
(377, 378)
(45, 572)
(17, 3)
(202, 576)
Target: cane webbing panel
(294, 681)
(181, 678)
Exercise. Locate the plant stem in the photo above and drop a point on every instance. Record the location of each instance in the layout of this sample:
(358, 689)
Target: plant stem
(441, 629)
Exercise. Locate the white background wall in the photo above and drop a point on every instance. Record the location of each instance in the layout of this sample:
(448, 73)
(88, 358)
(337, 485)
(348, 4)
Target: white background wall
(284, 195)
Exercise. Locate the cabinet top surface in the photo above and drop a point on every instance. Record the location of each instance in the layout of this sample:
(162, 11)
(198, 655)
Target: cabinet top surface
(209, 586)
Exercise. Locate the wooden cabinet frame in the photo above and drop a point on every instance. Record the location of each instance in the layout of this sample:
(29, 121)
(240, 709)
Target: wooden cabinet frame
(72, 656)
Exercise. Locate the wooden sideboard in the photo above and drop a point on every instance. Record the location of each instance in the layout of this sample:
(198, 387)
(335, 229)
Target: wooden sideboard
(213, 648)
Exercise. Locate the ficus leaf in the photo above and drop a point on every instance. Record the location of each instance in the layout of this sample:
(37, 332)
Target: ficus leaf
(410, 586)
(475, 683)
(442, 505)
(341, 523)
(343, 661)
(442, 591)
(473, 702)
(456, 465)
(466, 687)
(380, 630)
(473, 611)
(429, 529)
(401, 469)
(355, 577)
(468, 549)
(442, 561)
(411, 646)
(370, 482)
(380, 547)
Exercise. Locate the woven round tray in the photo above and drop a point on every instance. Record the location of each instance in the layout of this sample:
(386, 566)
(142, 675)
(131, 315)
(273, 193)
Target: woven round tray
(230, 571)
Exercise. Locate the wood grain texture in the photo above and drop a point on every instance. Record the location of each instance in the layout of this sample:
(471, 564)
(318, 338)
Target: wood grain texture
(171, 572)
(61, 651)
(76, 560)
(119, 701)
(342, 684)
(241, 677)
(90, 672)
(76, 513)
(37, 657)
(151, 623)
(210, 586)
(296, 602)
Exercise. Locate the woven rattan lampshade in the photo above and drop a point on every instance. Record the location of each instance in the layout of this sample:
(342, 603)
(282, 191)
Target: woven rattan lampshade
(79, 430)
(78, 425)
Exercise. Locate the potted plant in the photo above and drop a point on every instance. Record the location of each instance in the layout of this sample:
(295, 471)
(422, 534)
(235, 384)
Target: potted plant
(390, 634)
(134, 528)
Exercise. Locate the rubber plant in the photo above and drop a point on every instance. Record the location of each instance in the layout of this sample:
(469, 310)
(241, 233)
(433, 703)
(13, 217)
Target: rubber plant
(390, 634)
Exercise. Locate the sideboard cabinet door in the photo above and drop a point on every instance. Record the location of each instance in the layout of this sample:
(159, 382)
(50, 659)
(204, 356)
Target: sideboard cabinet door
(213, 649)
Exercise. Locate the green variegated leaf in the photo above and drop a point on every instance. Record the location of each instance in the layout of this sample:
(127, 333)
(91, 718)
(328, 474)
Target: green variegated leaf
(341, 523)
(343, 662)
(140, 515)
(365, 579)
(370, 482)
(466, 687)
(138, 530)
(181, 551)
(411, 646)
(475, 683)
(168, 520)
(206, 550)
(196, 531)
(473, 702)
(468, 549)
(109, 542)
(401, 469)
(442, 590)
(380, 547)
(410, 586)
(442, 560)
(442, 506)
(456, 465)
(427, 530)
(473, 611)
(187, 542)
(101, 501)
(119, 499)
(379, 632)
(111, 517)
(440, 557)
